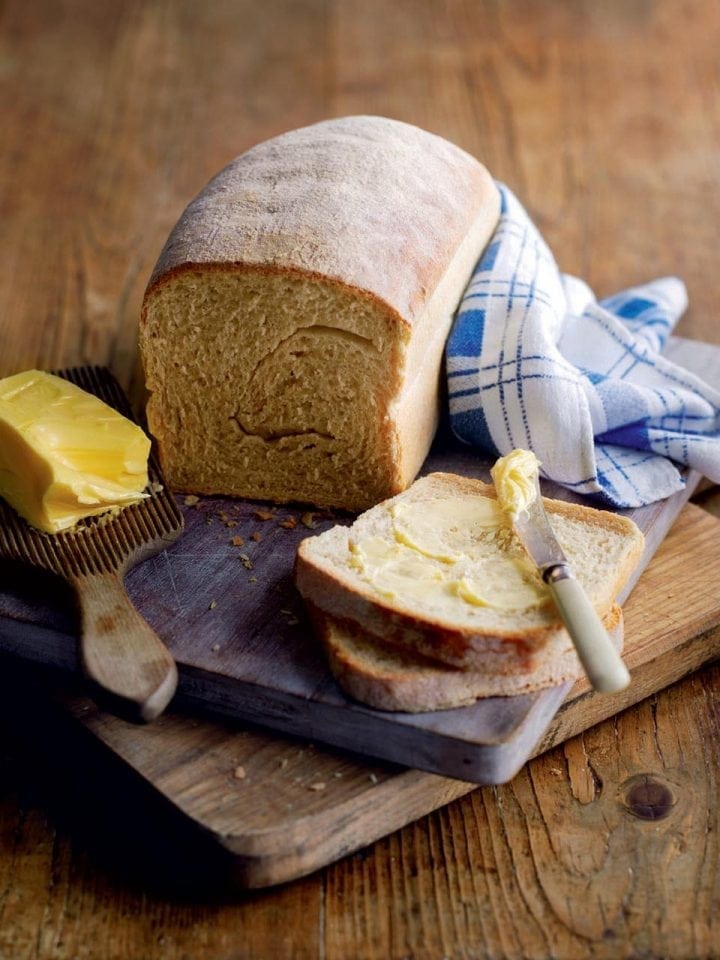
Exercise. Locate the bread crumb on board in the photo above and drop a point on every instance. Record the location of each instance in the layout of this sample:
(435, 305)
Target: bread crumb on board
(239, 773)
(317, 787)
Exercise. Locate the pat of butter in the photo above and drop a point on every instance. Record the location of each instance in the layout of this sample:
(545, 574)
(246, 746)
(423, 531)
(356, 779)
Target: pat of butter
(64, 454)
(514, 478)
(450, 529)
(397, 570)
(447, 554)
(504, 584)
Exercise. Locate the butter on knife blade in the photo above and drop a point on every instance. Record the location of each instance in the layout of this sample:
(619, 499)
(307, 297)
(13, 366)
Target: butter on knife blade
(516, 480)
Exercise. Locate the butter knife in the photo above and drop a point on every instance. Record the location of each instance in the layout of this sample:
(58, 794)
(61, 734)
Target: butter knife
(601, 661)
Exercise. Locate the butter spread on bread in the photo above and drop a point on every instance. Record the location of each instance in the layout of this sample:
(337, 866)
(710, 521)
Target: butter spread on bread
(446, 551)
(437, 623)
(293, 329)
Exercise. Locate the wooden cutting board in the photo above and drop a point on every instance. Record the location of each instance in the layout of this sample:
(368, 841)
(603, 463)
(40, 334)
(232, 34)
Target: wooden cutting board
(222, 599)
(230, 616)
(273, 808)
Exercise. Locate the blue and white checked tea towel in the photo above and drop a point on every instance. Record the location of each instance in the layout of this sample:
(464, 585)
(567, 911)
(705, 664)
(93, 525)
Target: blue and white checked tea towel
(534, 361)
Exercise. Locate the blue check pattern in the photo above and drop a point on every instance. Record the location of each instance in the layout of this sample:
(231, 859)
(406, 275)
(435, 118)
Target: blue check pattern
(535, 361)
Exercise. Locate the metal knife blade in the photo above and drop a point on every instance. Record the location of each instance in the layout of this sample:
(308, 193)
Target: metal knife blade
(533, 528)
(600, 659)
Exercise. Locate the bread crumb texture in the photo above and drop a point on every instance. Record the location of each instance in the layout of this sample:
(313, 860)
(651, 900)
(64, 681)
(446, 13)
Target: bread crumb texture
(291, 383)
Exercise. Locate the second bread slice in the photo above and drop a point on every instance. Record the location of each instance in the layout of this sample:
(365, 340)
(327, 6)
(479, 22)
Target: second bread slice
(390, 678)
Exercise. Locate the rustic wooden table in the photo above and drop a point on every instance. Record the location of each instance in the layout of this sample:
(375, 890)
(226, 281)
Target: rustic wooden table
(605, 119)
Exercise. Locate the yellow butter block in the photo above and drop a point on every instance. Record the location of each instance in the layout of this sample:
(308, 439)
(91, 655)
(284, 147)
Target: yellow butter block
(64, 454)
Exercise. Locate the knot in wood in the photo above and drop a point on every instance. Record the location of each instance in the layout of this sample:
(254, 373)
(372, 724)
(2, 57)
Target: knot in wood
(647, 798)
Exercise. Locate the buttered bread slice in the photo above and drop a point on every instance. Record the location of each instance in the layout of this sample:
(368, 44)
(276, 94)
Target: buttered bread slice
(438, 572)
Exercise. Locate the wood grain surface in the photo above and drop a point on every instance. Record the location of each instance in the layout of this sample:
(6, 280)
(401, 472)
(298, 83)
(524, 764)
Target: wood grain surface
(283, 808)
(605, 119)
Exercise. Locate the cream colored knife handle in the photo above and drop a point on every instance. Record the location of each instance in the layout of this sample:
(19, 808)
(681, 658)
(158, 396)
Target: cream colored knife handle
(120, 652)
(603, 665)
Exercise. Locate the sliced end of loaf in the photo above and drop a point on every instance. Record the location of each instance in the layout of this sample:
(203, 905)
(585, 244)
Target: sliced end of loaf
(296, 409)
(293, 328)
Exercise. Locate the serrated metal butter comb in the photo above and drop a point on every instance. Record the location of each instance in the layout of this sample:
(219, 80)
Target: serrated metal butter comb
(130, 668)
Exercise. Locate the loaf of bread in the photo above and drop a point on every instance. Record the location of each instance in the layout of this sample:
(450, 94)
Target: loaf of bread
(293, 328)
(435, 578)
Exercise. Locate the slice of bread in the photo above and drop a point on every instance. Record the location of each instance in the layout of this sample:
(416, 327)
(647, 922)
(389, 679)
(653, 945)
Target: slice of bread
(393, 679)
(438, 623)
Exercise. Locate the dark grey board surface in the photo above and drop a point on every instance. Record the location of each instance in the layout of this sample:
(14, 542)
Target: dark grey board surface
(233, 621)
